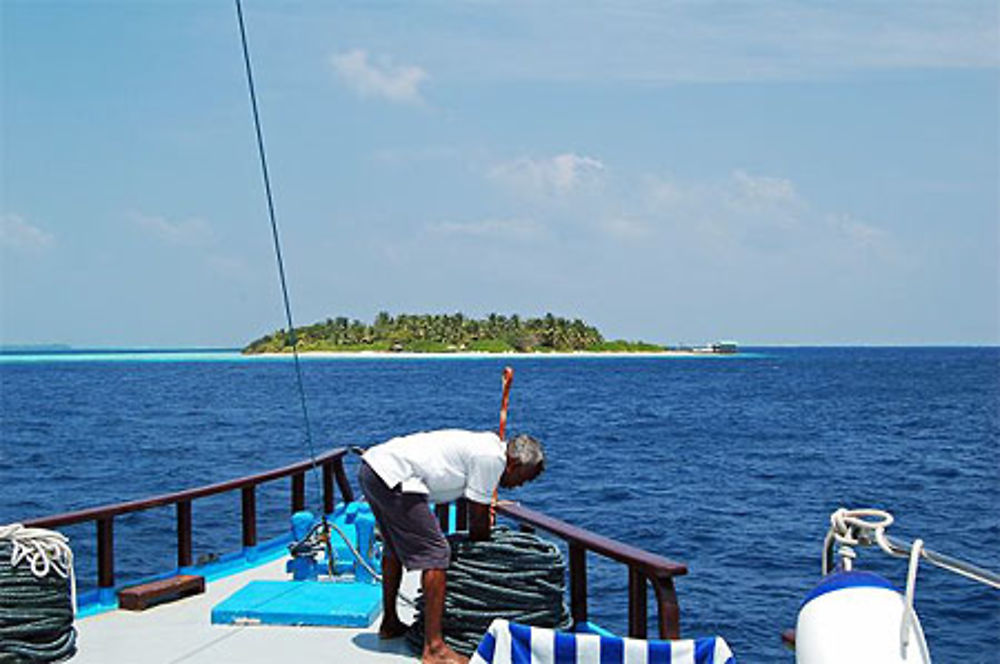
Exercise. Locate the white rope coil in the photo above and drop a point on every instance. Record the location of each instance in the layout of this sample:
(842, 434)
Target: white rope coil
(850, 528)
(46, 551)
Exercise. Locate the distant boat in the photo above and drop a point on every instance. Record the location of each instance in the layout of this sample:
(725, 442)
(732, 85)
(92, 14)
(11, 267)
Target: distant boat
(719, 347)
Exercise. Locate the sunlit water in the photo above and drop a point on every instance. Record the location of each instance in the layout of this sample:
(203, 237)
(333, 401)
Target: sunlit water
(729, 465)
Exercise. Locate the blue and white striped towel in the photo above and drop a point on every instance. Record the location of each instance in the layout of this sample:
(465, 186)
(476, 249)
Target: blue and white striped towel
(511, 643)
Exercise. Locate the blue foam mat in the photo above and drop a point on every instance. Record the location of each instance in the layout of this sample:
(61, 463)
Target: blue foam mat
(321, 603)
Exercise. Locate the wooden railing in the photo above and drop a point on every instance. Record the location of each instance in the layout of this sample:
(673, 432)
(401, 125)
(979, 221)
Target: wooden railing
(643, 567)
(332, 467)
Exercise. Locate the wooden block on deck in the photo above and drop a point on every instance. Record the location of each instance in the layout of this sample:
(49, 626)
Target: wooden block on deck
(138, 598)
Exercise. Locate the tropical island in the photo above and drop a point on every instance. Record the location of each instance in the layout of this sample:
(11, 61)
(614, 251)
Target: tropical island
(448, 333)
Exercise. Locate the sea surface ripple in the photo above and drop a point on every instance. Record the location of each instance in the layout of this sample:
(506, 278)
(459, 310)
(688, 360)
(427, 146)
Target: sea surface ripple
(729, 465)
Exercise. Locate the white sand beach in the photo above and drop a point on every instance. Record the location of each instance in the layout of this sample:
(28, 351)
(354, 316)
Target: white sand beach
(390, 355)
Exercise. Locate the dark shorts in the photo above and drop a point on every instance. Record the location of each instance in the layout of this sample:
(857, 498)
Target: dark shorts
(409, 529)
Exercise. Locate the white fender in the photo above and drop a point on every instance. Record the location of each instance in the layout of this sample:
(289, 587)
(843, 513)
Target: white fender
(856, 618)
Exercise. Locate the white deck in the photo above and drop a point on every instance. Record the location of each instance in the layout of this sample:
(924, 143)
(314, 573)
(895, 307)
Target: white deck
(182, 632)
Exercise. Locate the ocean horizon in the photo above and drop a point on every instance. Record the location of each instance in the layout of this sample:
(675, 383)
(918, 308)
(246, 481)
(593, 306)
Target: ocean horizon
(58, 352)
(732, 467)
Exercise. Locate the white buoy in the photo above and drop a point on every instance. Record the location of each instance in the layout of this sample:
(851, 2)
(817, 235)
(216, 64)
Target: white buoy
(857, 618)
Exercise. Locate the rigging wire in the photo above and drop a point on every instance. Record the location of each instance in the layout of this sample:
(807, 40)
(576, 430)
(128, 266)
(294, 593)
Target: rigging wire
(277, 243)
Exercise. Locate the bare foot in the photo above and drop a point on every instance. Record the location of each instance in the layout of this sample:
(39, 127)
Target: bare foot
(392, 629)
(442, 654)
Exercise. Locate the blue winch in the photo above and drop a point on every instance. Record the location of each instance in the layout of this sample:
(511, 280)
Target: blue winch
(333, 576)
(344, 544)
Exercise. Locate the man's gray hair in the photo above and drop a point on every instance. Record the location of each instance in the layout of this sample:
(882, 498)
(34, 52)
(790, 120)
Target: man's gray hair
(526, 451)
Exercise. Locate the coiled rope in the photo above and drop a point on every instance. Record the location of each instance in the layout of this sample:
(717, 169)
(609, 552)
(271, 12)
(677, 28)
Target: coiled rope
(37, 595)
(517, 576)
(851, 528)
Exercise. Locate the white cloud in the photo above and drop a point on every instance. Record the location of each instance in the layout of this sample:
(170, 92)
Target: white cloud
(757, 190)
(742, 213)
(398, 83)
(858, 233)
(765, 40)
(16, 233)
(490, 228)
(662, 192)
(746, 211)
(769, 201)
(558, 175)
(188, 233)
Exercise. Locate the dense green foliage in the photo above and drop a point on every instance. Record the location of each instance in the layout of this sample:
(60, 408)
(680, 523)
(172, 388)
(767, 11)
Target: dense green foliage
(442, 333)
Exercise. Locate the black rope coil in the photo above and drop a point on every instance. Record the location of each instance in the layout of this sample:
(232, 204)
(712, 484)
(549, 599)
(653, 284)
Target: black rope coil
(514, 575)
(36, 614)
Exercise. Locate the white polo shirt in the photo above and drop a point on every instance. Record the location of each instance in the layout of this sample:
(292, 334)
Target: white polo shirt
(444, 464)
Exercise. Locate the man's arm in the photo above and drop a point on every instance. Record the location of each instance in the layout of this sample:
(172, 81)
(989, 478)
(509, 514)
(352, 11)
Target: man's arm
(479, 521)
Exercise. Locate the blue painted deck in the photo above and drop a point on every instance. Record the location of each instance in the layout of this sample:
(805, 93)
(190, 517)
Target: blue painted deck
(315, 603)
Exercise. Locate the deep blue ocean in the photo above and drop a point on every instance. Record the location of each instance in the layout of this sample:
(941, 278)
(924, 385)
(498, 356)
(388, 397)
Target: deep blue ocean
(731, 465)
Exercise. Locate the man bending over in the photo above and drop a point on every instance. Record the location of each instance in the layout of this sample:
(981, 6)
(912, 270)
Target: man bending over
(399, 478)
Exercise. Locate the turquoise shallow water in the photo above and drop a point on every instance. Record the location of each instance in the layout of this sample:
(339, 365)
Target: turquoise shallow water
(732, 467)
(123, 356)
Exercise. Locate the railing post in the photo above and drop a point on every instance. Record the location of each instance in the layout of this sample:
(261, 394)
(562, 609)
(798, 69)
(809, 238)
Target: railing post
(184, 533)
(578, 583)
(637, 615)
(298, 492)
(441, 510)
(346, 492)
(105, 553)
(669, 612)
(249, 516)
(328, 498)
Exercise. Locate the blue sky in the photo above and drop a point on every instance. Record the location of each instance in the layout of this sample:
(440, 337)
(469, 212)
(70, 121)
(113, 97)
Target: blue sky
(771, 172)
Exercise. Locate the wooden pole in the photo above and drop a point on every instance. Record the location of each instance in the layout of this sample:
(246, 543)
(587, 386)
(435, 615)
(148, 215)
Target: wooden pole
(184, 533)
(249, 501)
(508, 378)
(578, 583)
(105, 553)
(298, 492)
(637, 616)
